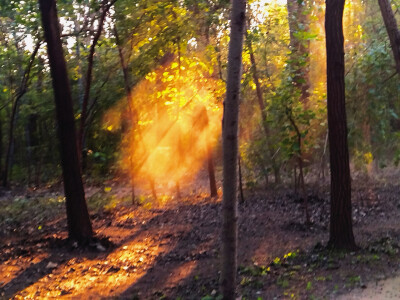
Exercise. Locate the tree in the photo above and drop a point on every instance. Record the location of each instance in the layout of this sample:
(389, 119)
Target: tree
(260, 100)
(230, 150)
(105, 7)
(19, 94)
(79, 226)
(132, 112)
(341, 229)
(299, 46)
(392, 30)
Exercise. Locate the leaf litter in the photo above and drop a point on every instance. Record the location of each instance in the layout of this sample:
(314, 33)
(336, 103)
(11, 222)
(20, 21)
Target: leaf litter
(172, 250)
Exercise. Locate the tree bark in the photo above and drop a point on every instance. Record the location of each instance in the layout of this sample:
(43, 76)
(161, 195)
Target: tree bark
(341, 228)
(392, 30)
(79, 226)
(230, 151)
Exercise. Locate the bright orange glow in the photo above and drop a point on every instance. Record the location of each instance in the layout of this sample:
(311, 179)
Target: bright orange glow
(98, 277)
(177, 117)
(12, 268)
(182, 271)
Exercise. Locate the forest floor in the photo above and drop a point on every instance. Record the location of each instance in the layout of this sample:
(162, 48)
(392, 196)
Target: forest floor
(169, 248)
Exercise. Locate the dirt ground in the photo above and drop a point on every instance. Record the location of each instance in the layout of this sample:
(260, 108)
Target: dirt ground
(384, 289)
(170, 248)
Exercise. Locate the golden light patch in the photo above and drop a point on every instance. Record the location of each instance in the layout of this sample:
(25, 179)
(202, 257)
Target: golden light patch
(174, 118)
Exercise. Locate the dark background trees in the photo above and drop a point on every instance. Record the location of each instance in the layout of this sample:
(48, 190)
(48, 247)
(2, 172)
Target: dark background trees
(144, 82)
(281, 51)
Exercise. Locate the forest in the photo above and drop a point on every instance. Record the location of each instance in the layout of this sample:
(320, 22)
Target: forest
(209, 149)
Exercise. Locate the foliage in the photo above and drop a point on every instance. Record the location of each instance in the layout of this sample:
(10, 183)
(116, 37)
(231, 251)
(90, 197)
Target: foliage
(160, 37)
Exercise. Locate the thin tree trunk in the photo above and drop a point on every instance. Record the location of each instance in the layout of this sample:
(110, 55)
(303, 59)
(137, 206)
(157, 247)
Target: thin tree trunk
(35, 129)
(78, 57)
(21, 91)
(300, 164)
(79, 226)
(132, 112)
(230, 151)
(28, 153)
(203, 122)
(88, 82)
(264, 169)
(40, 159)
(323, 162)
(341, 227)
(211, 172)
(153, 188)
(240, 181)
(300, 48)
(1, 148)
(260, 101)
(392, 30)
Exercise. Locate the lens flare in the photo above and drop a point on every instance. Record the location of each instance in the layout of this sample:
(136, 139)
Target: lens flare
(172, 120)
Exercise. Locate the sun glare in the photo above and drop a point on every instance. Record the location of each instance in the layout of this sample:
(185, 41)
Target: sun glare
(177, 120)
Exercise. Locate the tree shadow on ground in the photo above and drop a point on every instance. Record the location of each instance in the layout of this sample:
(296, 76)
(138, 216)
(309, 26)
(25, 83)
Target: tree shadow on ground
(192, 259)
(33, 273)
(190, 268)
(187, 265)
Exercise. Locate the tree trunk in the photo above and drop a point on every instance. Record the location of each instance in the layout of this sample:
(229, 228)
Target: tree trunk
(153, 188)
(132, 112)
(40, 158)
(392, 30)
(300, 164)
(28, 152)
(211, 172)
(85, 103)
(1, 148)
(78, 57)
(79, 226)
(22, 89)
(323, 160)
(260, 100)
(341, 228)
(230, 151)
(300, 48)
(240, 182)
(264, 169)
(203, 122)
(10, 147)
